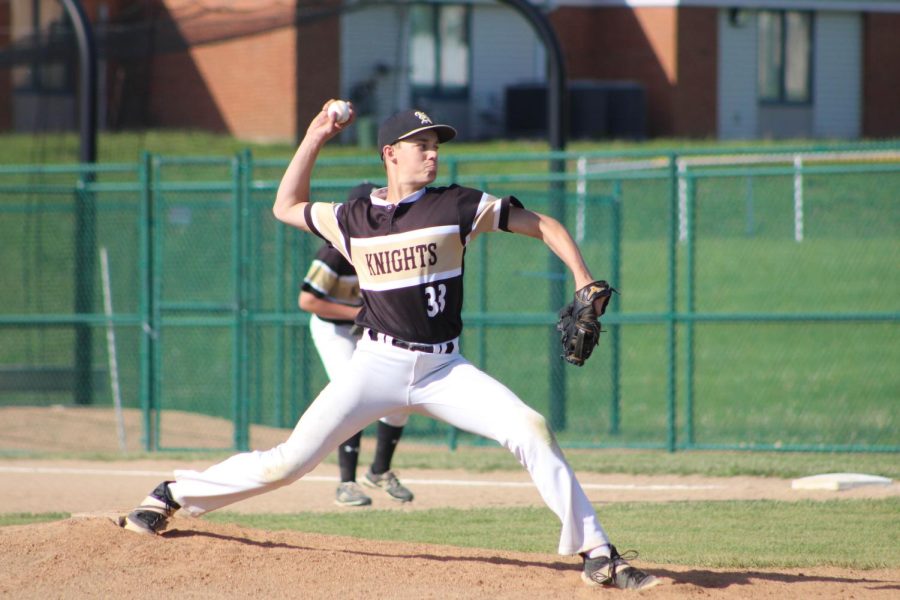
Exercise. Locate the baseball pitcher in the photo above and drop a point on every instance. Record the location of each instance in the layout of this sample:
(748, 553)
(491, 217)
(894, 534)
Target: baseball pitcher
(407, 242)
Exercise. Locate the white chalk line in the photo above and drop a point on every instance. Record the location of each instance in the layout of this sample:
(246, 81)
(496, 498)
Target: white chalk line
(320, 478)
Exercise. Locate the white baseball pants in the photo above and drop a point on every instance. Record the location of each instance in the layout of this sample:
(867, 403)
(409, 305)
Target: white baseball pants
(382, 380)
(335, 345)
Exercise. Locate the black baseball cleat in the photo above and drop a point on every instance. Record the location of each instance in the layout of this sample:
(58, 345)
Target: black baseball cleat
(390, 484)
(614, 571)
(152, 516)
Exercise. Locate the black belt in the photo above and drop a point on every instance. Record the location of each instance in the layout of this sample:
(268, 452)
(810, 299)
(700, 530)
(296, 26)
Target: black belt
(445, 348)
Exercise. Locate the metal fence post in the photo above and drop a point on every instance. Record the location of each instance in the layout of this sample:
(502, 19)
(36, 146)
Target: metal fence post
(85, 209)
(239, 332)
(145, 229)
(690, 267)
(798, 197)
(557, 297)
(245, 162)
(615, 306)
(279, 376)
(682, 199)
(156, 273)
(85, 273)
(672, 301)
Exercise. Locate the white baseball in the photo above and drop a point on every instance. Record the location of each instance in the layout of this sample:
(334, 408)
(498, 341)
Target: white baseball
(340, 110)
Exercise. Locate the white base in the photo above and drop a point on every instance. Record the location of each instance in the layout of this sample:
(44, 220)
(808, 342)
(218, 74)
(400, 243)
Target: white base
(838, 481)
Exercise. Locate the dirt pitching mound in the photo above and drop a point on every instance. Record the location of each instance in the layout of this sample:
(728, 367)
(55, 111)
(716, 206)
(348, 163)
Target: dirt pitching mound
(94, 558)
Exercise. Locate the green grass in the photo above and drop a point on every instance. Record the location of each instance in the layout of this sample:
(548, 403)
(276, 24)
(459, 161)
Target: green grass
(649, 462)
(119, 147)
(8, 519)
(116, 147)
(858, 534)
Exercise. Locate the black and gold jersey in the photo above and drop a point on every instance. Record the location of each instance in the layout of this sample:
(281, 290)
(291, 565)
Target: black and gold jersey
(332, 278)
(409, 256)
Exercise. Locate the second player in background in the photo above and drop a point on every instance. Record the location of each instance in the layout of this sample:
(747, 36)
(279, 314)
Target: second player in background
(330, 292)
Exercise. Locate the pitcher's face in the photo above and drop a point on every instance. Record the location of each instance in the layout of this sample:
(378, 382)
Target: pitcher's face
(416, 158)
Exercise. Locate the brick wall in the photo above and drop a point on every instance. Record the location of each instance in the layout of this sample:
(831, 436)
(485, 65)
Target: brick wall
(262, 85)
(250, 81)
(881, 75)
(5, 74)
(696, 98)
(230, 75)
(178, 95)
(318, 67)
(671, 51)
(624, 44)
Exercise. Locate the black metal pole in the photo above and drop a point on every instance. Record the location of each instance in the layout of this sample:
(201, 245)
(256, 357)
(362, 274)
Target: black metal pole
(85, 211)
(557, 134)
(87, 89)
(557, 110)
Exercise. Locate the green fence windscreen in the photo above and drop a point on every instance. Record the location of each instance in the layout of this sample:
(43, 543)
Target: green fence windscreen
(758, 308)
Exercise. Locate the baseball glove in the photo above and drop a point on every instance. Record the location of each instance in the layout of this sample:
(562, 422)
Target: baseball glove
(579, 325)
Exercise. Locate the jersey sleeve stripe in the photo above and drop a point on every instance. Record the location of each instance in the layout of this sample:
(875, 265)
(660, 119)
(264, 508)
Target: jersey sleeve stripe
(504, 211)
(320, 277)
(310, 220)
(310, 287)
(488, 217)
(323, 221)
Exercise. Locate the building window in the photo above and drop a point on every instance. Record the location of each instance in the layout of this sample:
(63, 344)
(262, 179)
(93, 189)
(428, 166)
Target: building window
(439, 50)
(43, 26)
(785, 56)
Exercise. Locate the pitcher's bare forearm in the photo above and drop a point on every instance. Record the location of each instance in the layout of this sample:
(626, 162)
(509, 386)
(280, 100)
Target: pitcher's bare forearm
(293, 191)
(555, 236)
(326, 309)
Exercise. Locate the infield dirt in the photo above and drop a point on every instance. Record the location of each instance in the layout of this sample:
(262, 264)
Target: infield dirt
(88, 556)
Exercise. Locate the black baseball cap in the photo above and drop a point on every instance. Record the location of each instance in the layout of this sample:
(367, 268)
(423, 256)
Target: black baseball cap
(410, 122)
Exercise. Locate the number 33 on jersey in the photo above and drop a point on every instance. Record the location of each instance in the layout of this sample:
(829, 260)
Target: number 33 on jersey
(435, 299)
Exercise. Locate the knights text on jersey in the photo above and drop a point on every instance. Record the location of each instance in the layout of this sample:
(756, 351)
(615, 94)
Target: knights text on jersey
(409, 256)
(332, 278)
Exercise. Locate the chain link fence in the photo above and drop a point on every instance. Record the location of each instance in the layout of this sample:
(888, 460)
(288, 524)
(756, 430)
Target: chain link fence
(758, 304)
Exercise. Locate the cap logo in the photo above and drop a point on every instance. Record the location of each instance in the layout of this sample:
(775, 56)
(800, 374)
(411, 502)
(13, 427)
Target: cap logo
(425, 119)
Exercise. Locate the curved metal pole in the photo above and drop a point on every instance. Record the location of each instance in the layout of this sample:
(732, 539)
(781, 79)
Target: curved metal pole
(87, 67)
(85, 209)
(556, 72)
